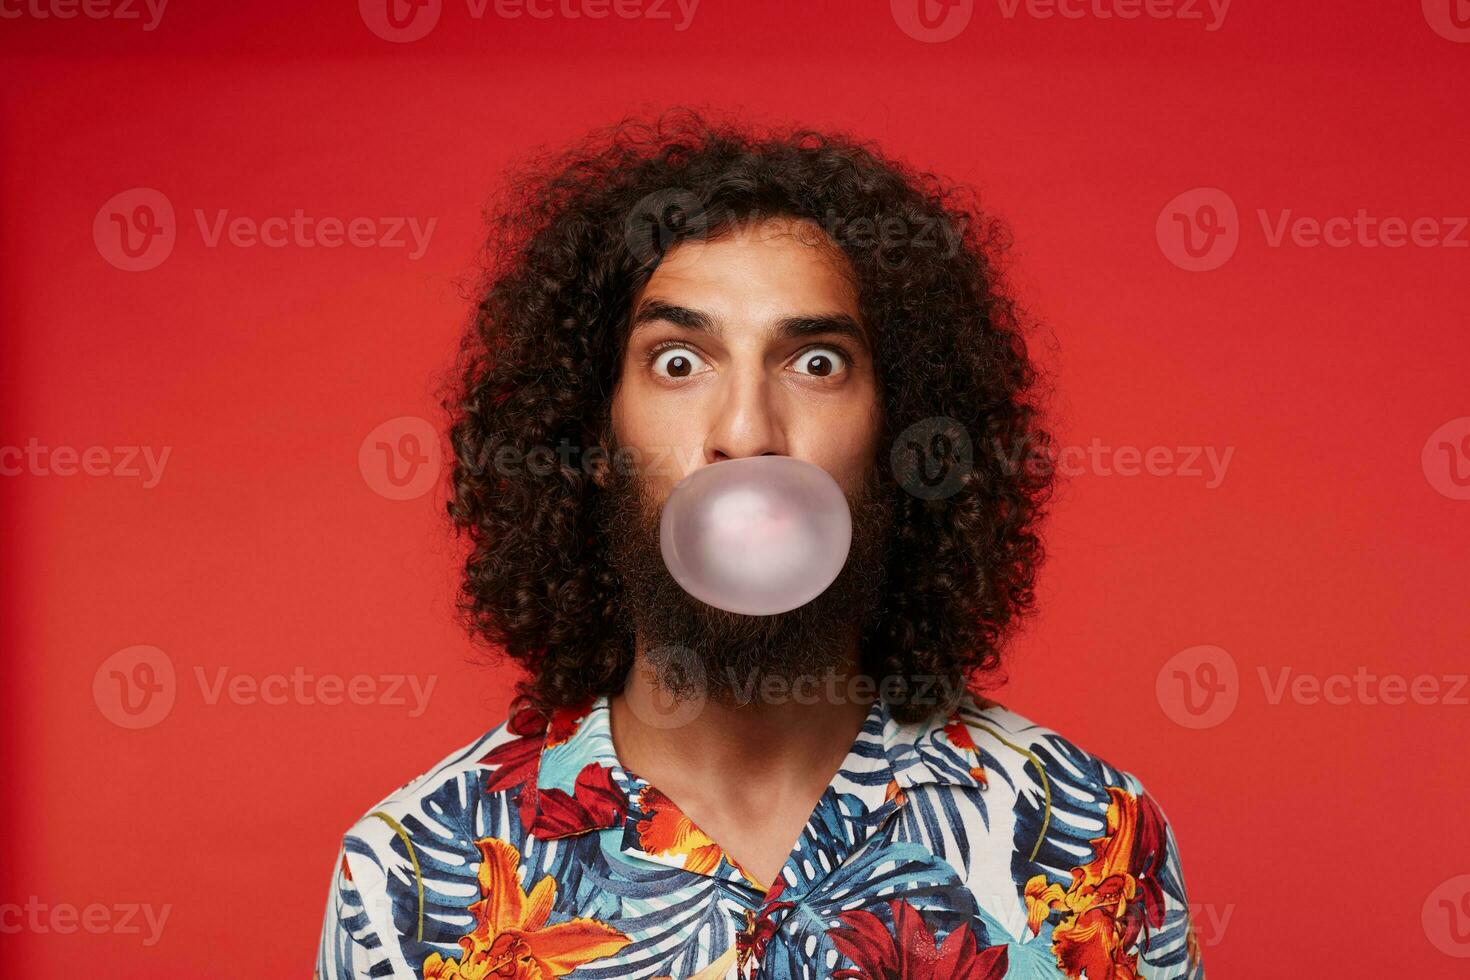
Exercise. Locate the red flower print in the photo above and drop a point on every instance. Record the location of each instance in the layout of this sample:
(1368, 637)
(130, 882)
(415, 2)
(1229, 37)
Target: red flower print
(518, 760)
(750, 942)
(564, 722)
(909, 951)
(595, 801)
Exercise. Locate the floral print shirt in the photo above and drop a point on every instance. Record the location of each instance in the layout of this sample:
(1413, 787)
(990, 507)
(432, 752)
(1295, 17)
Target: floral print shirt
(976, 845)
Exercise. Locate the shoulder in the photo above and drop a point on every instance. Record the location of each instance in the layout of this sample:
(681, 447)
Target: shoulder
(1004, 774)
(1017, 741)
(1016, 746)
(466, 761)
(379, 911)
(1072, 814)
(466, 794)
(1076, 823)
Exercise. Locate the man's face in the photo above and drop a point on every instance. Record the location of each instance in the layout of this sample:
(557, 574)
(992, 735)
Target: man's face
(747, 345)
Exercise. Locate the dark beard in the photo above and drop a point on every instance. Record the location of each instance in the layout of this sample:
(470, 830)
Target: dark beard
(697, 650)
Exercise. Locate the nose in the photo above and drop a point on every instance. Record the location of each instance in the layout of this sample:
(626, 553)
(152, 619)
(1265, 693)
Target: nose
(746, 422)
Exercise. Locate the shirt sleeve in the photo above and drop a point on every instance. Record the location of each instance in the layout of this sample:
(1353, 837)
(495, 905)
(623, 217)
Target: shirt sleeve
(351, 946)
(1168, 946)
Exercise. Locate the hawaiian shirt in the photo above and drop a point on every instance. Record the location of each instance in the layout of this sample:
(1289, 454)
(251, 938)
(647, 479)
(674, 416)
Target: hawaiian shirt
(973, 845)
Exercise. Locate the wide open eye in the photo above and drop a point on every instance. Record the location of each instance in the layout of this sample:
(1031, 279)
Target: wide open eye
(676, 362)
(821, 362)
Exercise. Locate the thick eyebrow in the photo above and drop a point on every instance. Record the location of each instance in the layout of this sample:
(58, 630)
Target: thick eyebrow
(653, 310)
(787, 328)
(830, 323)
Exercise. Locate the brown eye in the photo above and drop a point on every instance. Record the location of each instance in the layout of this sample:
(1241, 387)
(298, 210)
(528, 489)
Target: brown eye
(821, 362)
(677, 362)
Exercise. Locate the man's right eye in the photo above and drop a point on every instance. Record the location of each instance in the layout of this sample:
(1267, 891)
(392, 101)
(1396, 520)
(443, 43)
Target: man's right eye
(676, 362)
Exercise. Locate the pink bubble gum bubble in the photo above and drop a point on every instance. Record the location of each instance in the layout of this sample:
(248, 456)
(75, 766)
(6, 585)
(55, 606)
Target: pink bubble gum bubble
(758, 536)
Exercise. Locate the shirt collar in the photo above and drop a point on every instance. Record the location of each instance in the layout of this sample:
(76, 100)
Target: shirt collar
(580, 785)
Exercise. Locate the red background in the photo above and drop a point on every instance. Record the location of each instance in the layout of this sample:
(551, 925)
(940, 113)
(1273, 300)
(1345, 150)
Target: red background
(1320, 830)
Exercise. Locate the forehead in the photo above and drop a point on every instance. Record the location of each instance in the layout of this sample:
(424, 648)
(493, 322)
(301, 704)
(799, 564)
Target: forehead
(756, 271)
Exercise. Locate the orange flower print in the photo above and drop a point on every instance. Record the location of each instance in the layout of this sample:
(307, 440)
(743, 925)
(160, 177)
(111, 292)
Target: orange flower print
(667, 831)
(511, 938)
(894, 792)
(1111, 898)
(959, 736)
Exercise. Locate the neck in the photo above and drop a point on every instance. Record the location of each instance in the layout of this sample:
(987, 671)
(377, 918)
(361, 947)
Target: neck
(785, 727)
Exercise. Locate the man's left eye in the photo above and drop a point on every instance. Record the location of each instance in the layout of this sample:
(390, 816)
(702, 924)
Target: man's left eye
(821, 362)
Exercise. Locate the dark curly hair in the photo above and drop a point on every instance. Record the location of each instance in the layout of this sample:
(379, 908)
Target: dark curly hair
(576, 236)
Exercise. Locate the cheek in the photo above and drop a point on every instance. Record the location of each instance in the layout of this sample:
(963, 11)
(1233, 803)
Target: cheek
(667, 441)
(844, 441)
